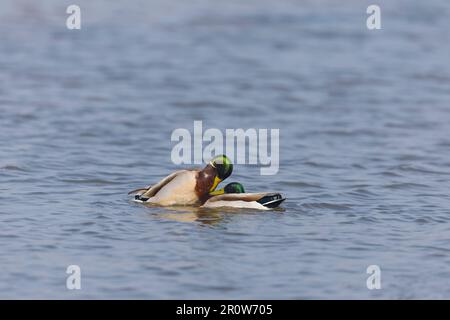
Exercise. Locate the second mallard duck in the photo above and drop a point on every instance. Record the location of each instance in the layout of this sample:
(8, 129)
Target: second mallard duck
(234, 195)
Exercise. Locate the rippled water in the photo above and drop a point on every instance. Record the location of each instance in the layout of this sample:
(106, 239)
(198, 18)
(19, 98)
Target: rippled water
(364, 148)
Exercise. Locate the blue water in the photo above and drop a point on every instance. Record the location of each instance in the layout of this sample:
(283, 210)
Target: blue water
(364, 119)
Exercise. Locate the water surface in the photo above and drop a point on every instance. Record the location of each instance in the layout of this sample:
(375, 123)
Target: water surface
(364, 119)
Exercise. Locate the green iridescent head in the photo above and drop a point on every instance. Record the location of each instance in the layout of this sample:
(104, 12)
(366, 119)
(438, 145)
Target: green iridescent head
(223, 166)
(233, 187)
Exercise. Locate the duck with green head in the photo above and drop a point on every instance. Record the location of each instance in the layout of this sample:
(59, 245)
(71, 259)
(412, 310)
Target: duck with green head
(187, 187)
(234, 195)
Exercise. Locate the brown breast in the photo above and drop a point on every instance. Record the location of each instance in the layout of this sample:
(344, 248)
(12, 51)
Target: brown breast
(205, 180)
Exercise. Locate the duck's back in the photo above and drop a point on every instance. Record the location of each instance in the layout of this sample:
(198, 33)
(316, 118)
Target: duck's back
(234, 204)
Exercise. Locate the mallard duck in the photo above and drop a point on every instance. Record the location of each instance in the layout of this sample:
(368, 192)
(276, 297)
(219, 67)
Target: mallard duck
(186, 187)
(233, 195)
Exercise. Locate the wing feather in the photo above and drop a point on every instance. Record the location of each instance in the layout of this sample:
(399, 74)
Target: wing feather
(152, 190)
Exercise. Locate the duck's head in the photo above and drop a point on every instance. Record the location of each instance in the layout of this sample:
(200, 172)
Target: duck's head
(223, 167)
(233, 187)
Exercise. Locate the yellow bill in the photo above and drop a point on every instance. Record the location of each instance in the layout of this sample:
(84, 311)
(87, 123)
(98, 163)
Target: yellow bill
(215, 183)
(217, 192)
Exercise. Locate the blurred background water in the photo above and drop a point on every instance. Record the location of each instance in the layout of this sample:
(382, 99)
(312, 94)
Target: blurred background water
(86, 115)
